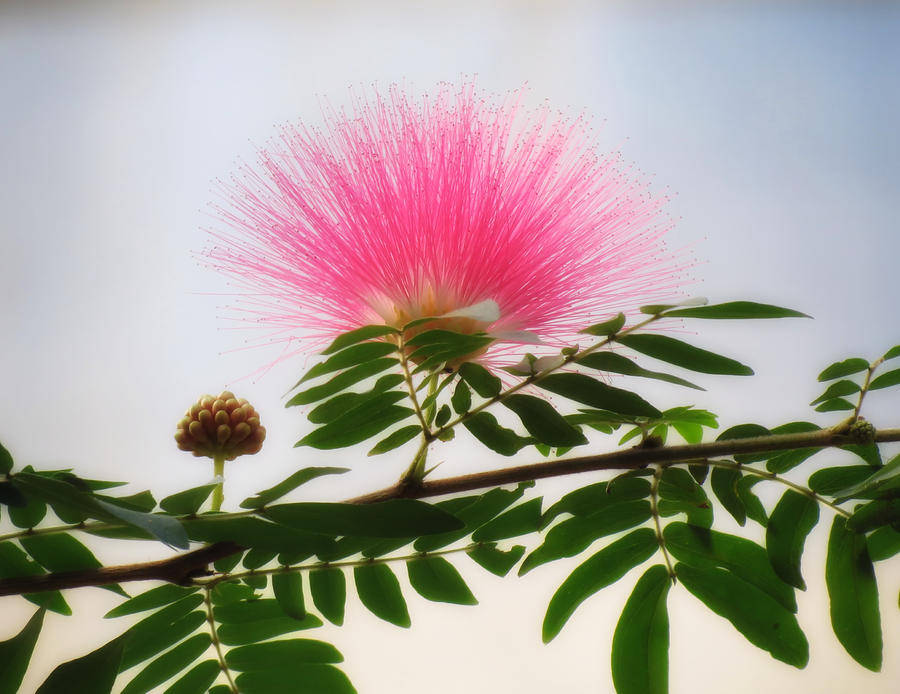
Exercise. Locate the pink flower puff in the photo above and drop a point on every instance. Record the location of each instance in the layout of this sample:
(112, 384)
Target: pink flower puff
(401, 208)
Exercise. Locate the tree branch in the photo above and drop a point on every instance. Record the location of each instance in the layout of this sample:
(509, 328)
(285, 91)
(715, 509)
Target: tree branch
(183, 568)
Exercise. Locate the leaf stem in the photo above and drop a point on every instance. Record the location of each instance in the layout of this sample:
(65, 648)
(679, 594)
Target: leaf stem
(218, 495)
(654, 509)
(214, 636)
(865, 386)
(211, 582)
(765, 474)
(410, 386)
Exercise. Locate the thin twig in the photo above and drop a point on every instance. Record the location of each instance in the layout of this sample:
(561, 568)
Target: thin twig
(214, 637)
(654, 509)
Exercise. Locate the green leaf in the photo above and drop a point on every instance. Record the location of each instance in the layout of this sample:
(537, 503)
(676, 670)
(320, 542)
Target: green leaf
(615, 363)
(832, 480)
(681, 354)
(240, 634)
(724, 483)
(257, 558)
(62, 552)
(352, 356)
(11, 496)
(275, 655)
(867, 451)
(461, 398)
(151, 599)
(333, 408)
(473, 512)
(743, 431)
(305, 678)
(874, 515)
(94, 672)
(267, 496)
(187, 502)
(883, 544)
(329, 593)
(884, 479)
(484, 427)
(847, 367)
(640, 647)
(436, 579)
(443, 415)
(892, 353)
(6, 460)
(789, 459)
(740, 310)
(604, 568)
(791, 521)
(704, 548)
(850, 579)
(597, 496)
(483, 382)
(591, 392)
(197, 680)
(608, 327)
(762, 621)
(15, 564)
(543, 422)
(161, 630)
(166, 529)
(256, 533)
(27, 515)
(495, 560)
(885, 380)
(15, 654)
(288, 587)
(358, 424)
(834, 405)
(367, 332)
(521, 520)
(396, 439)
(394, 518)
(836, 390)
(574, 535)
(342, 381)
(754, 507)
(680, 493)
(379, 591)
(168, 664)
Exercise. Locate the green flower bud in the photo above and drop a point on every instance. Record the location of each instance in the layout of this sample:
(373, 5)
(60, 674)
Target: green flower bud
(222, 425)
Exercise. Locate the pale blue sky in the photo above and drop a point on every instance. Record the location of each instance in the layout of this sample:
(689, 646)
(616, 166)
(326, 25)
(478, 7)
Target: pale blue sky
(773, 125)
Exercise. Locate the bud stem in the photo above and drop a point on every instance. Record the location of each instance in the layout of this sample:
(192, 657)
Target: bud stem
(219, 471)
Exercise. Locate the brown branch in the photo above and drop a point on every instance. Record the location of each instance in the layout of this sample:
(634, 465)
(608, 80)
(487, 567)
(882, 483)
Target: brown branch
(618, 460)
(183, 568)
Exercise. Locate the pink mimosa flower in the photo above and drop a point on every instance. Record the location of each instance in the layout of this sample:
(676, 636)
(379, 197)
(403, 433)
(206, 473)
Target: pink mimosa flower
(403, 208)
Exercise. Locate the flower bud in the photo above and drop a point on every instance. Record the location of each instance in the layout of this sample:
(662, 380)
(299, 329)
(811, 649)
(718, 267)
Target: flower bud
(222, 425)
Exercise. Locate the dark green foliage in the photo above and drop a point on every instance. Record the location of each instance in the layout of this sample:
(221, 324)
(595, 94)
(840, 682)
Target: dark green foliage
(680, 493)
(791, 521)
(681, 354)
(168, 665)
(573, 536)
(591, 392)
(281, 654)
(604, 568)
(885, 380)
(753, 506)
(395, 518)
(197, 679)
(267, 496)
(15, 654)
(755, 614)
(305, 678)
(640, 647)
(6, 460)
(187, 502)
(288, 588)
(243, 633)
(329, 593)
(482, 381)
(495, 560)
(724, 483)
(91, 674)
(436, 579)
(703, 548)
(608, 327)
(543, 422)
(521, 520)
(367, 332)
(358, 424)
(595, 497)
(850, 579)
(352, 356)
(14, 563)
(837, 390)
(342, 381)
(847, 367)
(461, 398)
(153, 598)
(615, 363)
(731, 310)
(396, 439)
(484, 427)
(379, 590)
(883, 544)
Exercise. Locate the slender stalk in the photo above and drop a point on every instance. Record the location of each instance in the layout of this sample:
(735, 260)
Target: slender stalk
(534, 378)
(654, 509)
(214, 637)
(865, 386)
(210, 582)
(765, 474)
(218, 495)
(411, 387)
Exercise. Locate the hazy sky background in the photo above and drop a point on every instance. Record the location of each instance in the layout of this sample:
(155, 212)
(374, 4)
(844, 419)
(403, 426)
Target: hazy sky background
(773, 125)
